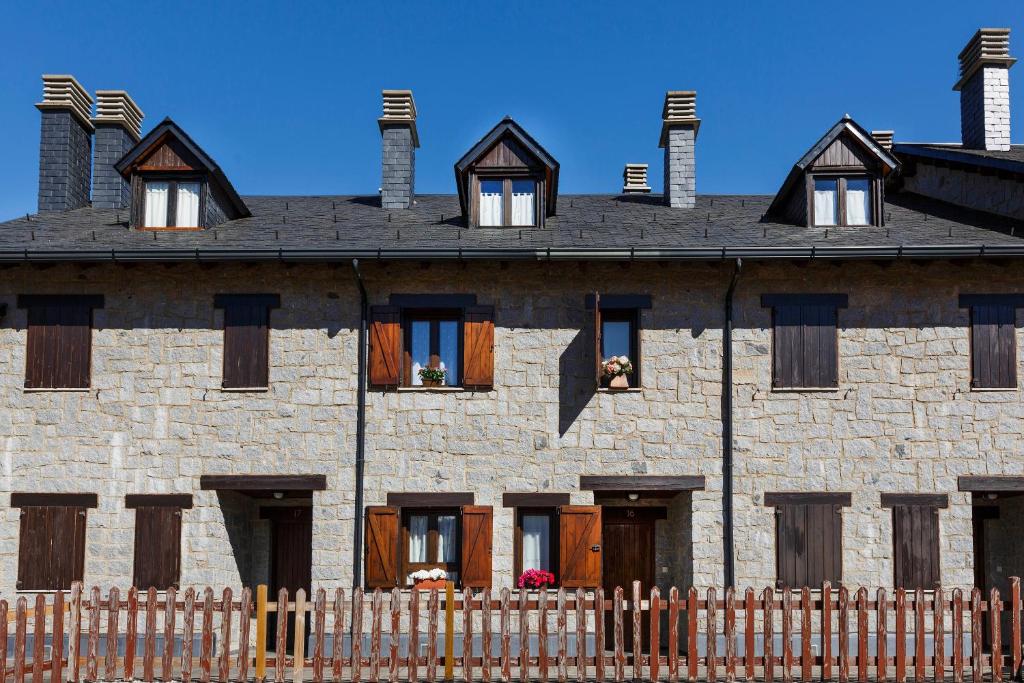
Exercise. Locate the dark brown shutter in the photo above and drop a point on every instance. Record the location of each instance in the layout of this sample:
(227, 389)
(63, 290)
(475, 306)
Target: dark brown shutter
(385, 346)
(59, 341)
(579, 546)
(51, 547)
(381, 546)
(157, 547)
(477, 525)
(916, 546)
(809, 545)
(804, 346)
(993, 346)
(478, 347)
(597, 340)
(246, 345)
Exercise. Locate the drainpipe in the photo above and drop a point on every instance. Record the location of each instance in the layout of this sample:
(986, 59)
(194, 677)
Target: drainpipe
(727, 516)
(357, 536)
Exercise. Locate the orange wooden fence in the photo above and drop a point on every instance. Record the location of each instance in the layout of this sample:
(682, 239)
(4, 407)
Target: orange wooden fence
(775, 635)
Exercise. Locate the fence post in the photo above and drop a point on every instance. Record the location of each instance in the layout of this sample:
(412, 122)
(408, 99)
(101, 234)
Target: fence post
(261, 633)
(57, 648)
(449, 630)
(300, 636)
(1015, 643)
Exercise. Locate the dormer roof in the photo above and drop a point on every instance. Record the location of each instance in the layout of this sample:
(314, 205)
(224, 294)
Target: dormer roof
(525, 152)
(177, 151)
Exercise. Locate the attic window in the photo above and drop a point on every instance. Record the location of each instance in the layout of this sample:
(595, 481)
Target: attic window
(839, 197)
(508, 202)
(172, 203)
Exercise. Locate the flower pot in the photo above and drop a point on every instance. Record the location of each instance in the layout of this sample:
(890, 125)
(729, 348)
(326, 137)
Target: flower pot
(429, 584)
(619, 382)
(432, 383)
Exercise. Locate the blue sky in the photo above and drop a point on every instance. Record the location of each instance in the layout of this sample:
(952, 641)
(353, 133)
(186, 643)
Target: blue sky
(286, 95)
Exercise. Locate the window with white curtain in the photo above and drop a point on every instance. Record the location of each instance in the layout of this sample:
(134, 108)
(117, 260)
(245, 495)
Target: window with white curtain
(172, 203)
(418, 538)
(524, 194)
(432, 538)
(508, 202)
(858, 201)
(156, 205)
(492, 205)
(841, 200)
(188, 205)
(536, 529)
(826, 201)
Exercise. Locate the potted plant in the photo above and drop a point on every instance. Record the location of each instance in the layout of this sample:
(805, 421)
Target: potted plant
(535, 579)
(429, 579)
(433, 377)
(616, 372)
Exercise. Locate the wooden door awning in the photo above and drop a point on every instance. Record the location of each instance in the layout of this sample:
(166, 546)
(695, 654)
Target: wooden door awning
(990, 483)
(264, 485)
(662, 485)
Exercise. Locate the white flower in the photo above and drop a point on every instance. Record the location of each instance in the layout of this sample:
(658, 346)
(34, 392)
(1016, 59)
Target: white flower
(623, 360)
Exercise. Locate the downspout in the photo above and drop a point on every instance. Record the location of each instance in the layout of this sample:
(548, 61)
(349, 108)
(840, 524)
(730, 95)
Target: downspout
(727, 389)
(357, 535)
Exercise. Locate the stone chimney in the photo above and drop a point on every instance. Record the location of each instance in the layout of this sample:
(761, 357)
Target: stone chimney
(65, 144)
(679, 137)
(399, 141)
(984, 87)
(883, 138)
(634, 179)
(118, 124)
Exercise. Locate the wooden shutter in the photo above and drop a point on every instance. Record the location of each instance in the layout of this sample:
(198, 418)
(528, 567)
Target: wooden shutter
(916, 546)
(579, 546)
(804, 346)
(385, 346)
(246, 345)
(598, 372)
(157, 547)
(993, 346)
(51, 548)
(59, 341)
(809, 546)
(477, 525)
(381, 546)
(478, 347)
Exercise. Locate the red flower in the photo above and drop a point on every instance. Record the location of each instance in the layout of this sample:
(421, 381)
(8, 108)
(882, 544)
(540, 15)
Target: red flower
(536, 578)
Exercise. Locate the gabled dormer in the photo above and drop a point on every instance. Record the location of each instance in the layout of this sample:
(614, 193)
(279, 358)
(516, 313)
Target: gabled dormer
(175, 185)
(507, 180)
(840, 181)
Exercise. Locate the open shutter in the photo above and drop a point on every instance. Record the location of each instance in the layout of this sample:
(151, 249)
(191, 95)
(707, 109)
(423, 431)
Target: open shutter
(381, 546)
(579, 546)
(385, 346)
(477, 523)
(478, 347)
(597, 340)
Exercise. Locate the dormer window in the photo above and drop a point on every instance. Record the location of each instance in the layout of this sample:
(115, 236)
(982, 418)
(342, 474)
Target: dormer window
(172, 204)
(507, 202)
(838, 197)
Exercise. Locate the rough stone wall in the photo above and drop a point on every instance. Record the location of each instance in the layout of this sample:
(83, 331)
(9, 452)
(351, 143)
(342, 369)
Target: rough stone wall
(398, 177)
(1003, 196)
(985, 109)
(109, 188)
(65, 158)
(681, 167)
(903, 420)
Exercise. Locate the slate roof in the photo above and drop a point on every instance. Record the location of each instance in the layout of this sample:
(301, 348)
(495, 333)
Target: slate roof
(1011, 160)
(587, 227)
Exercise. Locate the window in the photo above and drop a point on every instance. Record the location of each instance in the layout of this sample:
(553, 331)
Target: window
(433, 340)
(993, 339)
(617, 333)
(808, 537)
(508, 202)
(246, 339)
(172, 204)
(804, 340)
(838, 197)
(536, 540)
(57, 355)
(431, 540)
(51, 544)
(915, 532)
(157, 539)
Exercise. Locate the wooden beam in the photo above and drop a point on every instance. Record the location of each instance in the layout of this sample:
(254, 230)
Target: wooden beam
(425, 499)
(642, 483)
(263, 482)
(175, 500)
(994, 483)
(934, 500)
(534, 499)
(772, 499)
(85, 500)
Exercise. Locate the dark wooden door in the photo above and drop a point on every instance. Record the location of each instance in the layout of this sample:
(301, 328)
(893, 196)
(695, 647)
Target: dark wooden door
(628, 540)
(291, 561)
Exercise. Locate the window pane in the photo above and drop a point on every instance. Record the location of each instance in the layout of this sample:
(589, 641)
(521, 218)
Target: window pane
(446, 538)
(418, 538)
(156, 205)
(492, 206)
(523, 197)
(449, 351)
(858, 201)
(826, 204)
(420, 349)
(615, 338)
(188, 205)
(536, 542)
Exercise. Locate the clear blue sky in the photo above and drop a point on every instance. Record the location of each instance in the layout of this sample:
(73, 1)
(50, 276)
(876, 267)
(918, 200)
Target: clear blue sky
(286, 95)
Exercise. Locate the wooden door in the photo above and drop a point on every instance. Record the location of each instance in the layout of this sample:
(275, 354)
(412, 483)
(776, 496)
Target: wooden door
(291, 561)
(628, 536)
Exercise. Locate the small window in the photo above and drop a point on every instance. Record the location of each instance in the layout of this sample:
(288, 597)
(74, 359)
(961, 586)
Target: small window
(433, 348)
(51, 544)
(805, 352)
(915, 534)
(826, 201)
(849, 199)
(246, 339)
(508, 202)
(993, 340)
(157, 539)
(536, 540)
(808, 538)
(619, 337)
(431, 539)
(858, 201)
(57, 355)
(172, 204)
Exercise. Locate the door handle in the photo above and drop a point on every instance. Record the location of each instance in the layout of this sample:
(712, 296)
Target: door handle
(595, 548)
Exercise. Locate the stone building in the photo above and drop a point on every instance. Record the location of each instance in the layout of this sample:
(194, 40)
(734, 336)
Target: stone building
(208, 388)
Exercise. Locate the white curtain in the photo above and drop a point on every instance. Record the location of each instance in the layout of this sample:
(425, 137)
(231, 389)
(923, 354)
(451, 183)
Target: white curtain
(491, 209)
(156, 205)
(536, 542)
(825, 206)
(417, 381)
(858, 207)
(418, 538)
(522, 208)
(446, 538)
(188, 205)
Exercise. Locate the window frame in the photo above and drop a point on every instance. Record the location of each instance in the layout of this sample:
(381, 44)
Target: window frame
(631, 316)
(230, 303)
(841, 179)
(172, 180)
(46, 377)
(432, 513)
(435, 316)
(507, 177)
(551, 512)
(803, 302)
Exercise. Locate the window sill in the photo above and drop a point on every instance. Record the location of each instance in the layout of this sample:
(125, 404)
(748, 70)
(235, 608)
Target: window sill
(243, 390)
(804, 390)
(629, 390)
(440, 390)
(62, 390)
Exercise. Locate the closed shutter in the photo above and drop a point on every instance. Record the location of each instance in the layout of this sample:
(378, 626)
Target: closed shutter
(579, 546)
(916, 546)
(478, 347)
(381, 546)
(993, 346)
(805, 346)
(157, 547)
(59, 340)
(51, 548)
(246, 346)
(598, 365)
(477, 524)
(385, 346)
(809, 544)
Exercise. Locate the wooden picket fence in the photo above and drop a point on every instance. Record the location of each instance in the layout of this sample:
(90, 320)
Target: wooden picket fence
(820, 634)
